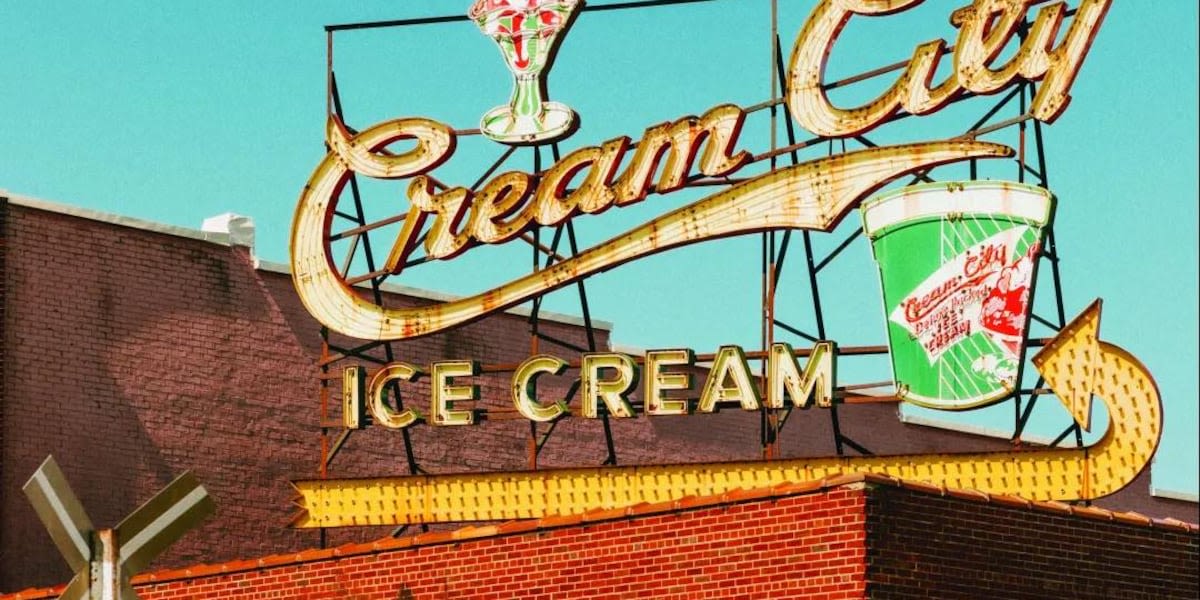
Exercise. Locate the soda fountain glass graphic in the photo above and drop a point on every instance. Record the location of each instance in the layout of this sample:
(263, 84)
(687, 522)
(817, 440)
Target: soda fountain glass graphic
(526, 32)
(957, 264)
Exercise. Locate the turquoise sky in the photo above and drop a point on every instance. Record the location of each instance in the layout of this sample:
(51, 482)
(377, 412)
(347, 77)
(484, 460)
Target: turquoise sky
(176, 111)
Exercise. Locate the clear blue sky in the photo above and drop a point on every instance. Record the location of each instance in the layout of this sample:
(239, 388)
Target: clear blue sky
(175, 111)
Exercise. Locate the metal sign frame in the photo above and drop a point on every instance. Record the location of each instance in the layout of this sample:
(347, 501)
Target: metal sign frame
(1025, 103)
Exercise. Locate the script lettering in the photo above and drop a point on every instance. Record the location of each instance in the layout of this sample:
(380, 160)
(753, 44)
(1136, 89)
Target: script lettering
(985, 28)
(464, 219)
(813, 195)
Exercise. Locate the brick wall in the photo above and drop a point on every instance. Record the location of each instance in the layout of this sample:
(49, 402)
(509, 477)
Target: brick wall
(962, 549)
(808, 546)
(133, 356)
(863, 536)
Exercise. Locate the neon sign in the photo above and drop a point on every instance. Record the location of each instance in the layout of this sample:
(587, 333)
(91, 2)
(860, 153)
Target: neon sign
(957, 260)
(585, 181)
(984, 29)
(606, 378)
(958, 266)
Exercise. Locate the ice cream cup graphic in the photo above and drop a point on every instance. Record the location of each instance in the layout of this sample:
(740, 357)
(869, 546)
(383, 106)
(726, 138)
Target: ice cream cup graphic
(958, 265)
(526, 32)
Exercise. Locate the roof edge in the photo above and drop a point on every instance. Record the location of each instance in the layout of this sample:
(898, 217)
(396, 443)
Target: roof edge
(1175, 495)
(404, 290)
(854, 481)
(223, 239)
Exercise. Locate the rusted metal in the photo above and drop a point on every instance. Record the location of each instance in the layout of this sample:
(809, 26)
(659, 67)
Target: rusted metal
(387, 163)
(708, 357)
(332, 450)
(865, 399)
(769, 418)
(323, 409)
(804, 207)
(982, 34)
(752, 355)
(1019, 120)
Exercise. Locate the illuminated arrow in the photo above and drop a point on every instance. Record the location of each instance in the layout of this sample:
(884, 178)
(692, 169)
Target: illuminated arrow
(1076, 364)
(105, 559)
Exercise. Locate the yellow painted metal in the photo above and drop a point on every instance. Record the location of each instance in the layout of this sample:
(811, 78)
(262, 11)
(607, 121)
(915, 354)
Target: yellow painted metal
(354, 390)
(1045, 474)
(523, 388)
(1069, 364)
(613, 391)
(815, 381)
(814, 195)
(1079, 364)
(444, 393)
(657, 381)
(382, 412)
(729, 381)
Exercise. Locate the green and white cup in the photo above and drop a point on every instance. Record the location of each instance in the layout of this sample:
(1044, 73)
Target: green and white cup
(958, 264)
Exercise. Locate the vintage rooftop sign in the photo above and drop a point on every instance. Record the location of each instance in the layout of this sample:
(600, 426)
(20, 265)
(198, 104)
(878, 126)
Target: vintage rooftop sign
(526, 32)
(957, 264)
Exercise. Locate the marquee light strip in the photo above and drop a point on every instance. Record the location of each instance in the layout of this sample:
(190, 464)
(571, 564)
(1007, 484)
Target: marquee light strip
(814, 195)
(1076, 360)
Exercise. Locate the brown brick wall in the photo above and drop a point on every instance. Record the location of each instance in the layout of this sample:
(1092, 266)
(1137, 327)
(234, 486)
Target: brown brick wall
(920, 543)
(133, 357)
(3, 346)
(852, 539)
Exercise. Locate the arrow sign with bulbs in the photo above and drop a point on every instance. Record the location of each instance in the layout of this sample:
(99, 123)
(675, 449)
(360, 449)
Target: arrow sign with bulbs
(1076, 365)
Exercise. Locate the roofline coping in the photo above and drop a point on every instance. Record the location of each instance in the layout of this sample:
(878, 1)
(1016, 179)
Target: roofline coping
(853, 482)
(1175, 495)
(223, 239)
(916, 419)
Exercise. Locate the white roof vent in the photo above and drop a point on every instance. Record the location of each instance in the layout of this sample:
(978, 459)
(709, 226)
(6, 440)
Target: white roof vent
(240, 228)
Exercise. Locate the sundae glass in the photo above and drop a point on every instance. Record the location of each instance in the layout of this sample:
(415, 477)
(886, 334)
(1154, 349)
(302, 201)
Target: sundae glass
(526, 32)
